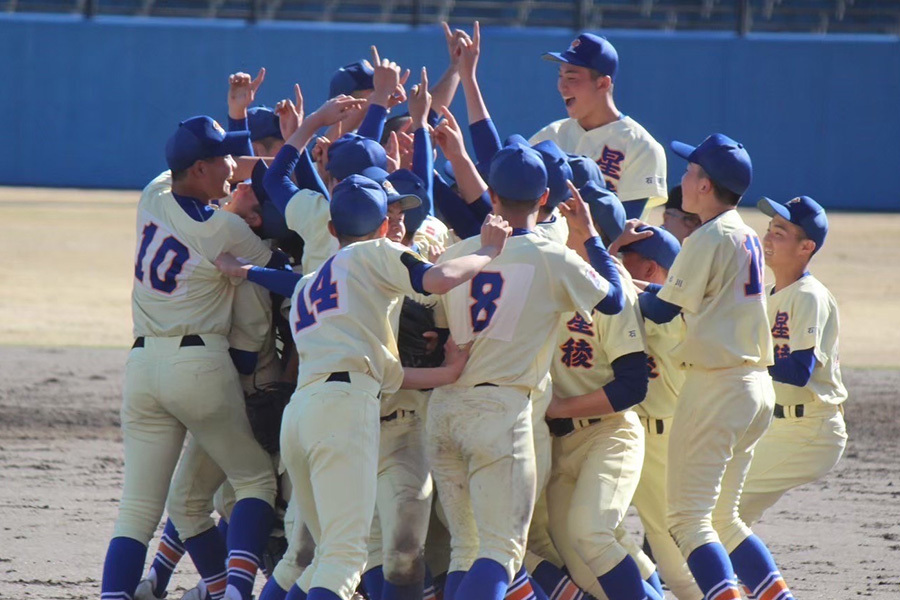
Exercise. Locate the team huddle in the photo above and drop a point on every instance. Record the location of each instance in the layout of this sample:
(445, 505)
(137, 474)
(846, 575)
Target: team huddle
(406, 379)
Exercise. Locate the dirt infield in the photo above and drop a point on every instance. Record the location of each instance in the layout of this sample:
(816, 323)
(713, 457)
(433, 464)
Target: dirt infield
(61, 468)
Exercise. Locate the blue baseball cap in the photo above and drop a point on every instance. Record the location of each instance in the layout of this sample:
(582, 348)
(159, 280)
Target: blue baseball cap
(381, 177)
(585, 170)
(263, 123)
(589, 51)
(358, 206)
(199, 138)
(724, 160)
(607, 211)
(558, 172)
(351, 78)
(802, 211)
(408, 184)
(351, 153)
(662, 247)
(518, 174)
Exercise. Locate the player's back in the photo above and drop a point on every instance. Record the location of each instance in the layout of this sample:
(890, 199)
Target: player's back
(177, 288)
(511, 310)
(804, 315)
(717, 279)
(666, 374)
(341, 314)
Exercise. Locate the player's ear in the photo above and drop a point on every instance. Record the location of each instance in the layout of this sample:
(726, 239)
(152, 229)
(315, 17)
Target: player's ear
(332, 230)
(603, 83)
(383, 229)
(494, 201)
(544, 197)
(808, 247)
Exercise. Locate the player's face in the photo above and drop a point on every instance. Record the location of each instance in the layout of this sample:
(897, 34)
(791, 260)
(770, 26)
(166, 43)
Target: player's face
(396, 223)
(245, 204)
(217, 172)
(679, 223)
(691, 183)
(578, 90)
(636, 265)
(783, 244)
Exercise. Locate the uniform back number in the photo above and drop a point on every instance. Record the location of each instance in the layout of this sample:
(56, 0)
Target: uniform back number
(169, 246)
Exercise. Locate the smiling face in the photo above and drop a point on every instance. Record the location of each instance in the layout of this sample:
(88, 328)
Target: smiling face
(213, 175)
(245, 204)
(580, 89)
(396, 223)
(785, 245)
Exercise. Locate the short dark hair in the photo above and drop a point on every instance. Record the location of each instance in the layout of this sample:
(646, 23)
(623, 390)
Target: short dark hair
(179, 174)
(268, 141)
(722, 193)
(515, 206)
(393, 124)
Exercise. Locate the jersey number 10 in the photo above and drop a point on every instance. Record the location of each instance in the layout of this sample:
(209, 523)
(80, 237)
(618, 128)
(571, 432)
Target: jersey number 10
(181, 254)
(754, 286)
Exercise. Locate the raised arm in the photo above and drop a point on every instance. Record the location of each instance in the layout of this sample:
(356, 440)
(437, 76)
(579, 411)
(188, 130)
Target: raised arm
(449, 137)
(443, 277)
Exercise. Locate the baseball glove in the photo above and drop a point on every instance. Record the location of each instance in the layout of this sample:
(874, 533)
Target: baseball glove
(415, 349)
(264, 409)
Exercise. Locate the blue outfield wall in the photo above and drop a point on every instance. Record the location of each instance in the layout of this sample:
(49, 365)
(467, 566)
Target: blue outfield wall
(91, 103)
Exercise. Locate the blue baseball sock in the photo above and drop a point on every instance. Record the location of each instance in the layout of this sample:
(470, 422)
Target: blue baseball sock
(248, 532)
(712, 570)
(320, 594)
(536, 590)
(624, 582)
(168, 554)
(412, 591)
(373, 581)
(654, 582)
(295, 593)
(207, 550)
(520, 587)
(451, 584)
(122, 568)
(754, 565)
(486, 580)
(273, 591)
(429, 591)
(555, 582)
(222, 526)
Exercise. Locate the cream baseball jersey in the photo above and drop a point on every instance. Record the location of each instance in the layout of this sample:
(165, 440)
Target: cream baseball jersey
(307, 213)
(341, 314)
(177, 288)
(555, 230)
(666, 374)
(804, 315)
(510, 310)
(717, 280)
(582, 359)
(632, 162)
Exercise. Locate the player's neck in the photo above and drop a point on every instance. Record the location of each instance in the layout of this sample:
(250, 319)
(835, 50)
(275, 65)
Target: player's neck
(519, 220)
(713, 210)
(788, 275)
(603, 114)
(184, 188)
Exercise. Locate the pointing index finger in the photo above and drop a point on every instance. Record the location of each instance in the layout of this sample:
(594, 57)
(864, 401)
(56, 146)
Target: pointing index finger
(376, 60)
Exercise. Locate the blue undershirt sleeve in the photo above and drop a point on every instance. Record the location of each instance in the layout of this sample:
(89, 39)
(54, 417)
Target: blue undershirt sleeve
(485, 140)
(244, 360)
(308, 176)
(278, 281)
(241, 125)
(603, 263)
(629, 384)
(654, 308)
(795, 368)
(417, 269)
(423, 166)
(277, 181)
(372, 126)
(454, 210)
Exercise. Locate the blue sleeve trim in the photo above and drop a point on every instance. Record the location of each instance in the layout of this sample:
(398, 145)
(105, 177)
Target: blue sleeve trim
(277, 181)
(603, 263)
(423, 166)
(485, 140)
(308, 176)
(279, 260)
(244, 361)
(656, 309)
(242, 125)
(417, 269)
(372, 126)
(630, 380)
(278, 281)
(455, 212)
(433, 118)
(795, 368)
(481, 207)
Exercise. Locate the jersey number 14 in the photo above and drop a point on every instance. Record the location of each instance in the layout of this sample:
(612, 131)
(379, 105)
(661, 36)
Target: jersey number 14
(323, 296)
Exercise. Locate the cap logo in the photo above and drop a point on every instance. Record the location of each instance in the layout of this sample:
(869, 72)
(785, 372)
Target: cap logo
(389, 188)
(218, 127)
(794, 201)
(575, 43)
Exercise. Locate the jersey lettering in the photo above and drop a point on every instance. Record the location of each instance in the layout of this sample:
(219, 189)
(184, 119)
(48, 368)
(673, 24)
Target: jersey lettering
(171, 254)
(754, 286)
(323, 296)
(486, 289)
(651, 365)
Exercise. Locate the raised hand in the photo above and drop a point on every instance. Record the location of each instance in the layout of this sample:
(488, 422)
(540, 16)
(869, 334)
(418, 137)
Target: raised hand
(470, 50)
(578, 217)
(387, 81)
(420, 102)
(449, 136)
(242, 92)
(336, 109)
(494, 233)
(290, 114)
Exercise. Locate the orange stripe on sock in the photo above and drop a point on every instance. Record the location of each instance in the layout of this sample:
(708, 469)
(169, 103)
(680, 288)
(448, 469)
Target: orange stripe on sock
(217, 586)
(569, 592)
(169, 552)
(520, 593)
(778, 586)
(242, 564)
(728, 594)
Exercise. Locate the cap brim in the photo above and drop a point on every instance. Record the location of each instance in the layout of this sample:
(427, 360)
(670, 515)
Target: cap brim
(561, 57)
(235, 143)
(771, 208)
(683, 150)
(376, 174)
(407, 201)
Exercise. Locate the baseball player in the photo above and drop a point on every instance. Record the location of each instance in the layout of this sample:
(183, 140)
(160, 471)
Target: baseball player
(633, 163)
(808, 435)
(726, 402)
(649, 260)
(480, 439)
(348, 358)
(677, 222)
(182, 314)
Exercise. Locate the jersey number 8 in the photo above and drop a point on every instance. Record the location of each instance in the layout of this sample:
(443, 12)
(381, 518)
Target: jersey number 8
(486, 289)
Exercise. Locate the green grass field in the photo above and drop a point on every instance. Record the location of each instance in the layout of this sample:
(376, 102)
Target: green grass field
(69, 259)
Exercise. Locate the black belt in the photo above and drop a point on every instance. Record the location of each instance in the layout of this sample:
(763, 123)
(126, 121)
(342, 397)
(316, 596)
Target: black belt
(186, 341)
(780, 412)
(563, 427)
(396, 415)
(486, 384)
(341, 376)
(660, 426)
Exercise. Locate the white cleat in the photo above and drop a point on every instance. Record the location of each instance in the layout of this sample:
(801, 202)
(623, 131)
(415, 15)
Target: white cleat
(193, 594)
(144, 591)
